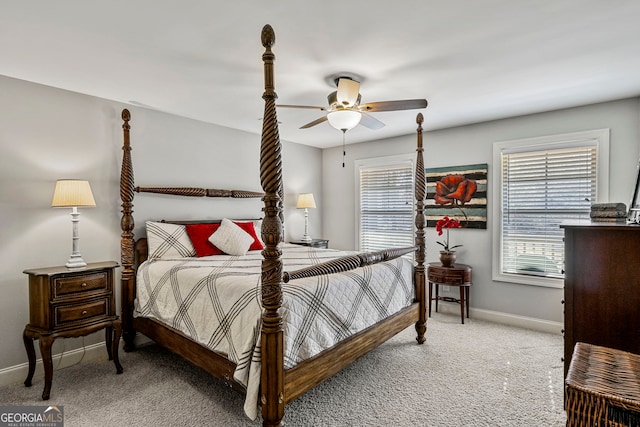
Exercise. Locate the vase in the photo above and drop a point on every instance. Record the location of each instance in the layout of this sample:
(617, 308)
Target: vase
(447, 258)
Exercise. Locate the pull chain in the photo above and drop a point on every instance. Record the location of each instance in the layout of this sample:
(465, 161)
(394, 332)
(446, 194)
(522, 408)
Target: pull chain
(344, 152)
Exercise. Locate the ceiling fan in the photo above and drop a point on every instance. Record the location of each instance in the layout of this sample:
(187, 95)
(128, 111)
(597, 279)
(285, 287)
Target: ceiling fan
(345, 111)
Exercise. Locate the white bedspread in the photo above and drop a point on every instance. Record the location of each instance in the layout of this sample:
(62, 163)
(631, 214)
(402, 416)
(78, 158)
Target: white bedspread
(216, 301)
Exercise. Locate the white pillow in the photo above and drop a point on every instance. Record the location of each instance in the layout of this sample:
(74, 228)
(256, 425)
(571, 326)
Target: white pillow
(257, 225)
(168, 240)
(231, 239)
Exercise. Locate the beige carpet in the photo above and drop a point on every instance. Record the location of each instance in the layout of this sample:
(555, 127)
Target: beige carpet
(476, 374)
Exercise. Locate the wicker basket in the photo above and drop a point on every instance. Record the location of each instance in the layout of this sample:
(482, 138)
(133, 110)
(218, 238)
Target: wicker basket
(602, 387)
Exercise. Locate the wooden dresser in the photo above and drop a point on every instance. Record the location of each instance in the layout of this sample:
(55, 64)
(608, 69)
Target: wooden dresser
(602, 287)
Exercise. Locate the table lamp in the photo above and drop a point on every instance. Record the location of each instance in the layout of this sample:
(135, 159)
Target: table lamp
(306, 201)
(73, 193)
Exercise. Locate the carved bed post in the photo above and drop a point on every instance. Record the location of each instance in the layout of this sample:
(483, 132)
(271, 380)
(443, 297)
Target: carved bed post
(272, 390)
(126, 242)
(421, 324)
(281, 214)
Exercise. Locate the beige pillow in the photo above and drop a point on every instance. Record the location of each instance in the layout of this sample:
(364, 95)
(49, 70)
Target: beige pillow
(231, 239)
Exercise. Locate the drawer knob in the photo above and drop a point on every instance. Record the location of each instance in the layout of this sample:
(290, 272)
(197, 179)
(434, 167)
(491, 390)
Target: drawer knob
(84, 312)
(84, 285)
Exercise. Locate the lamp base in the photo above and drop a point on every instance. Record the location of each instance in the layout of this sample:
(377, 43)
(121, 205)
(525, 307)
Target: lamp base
(75, 261)
(306, 238)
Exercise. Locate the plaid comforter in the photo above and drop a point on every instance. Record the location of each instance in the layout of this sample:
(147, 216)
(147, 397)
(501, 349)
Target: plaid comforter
(216, 301)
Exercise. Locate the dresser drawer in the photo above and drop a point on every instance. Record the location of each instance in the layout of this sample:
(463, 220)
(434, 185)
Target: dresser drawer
(64, 314)
(75, 284)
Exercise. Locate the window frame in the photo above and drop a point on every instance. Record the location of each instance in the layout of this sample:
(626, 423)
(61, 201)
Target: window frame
(597, 137)
(380, 162)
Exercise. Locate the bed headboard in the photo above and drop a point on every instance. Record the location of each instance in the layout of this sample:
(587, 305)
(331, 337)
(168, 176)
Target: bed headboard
(141, 247)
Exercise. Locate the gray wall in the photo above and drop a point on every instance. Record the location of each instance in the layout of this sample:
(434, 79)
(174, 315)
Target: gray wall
(470, 145)
(47, 134)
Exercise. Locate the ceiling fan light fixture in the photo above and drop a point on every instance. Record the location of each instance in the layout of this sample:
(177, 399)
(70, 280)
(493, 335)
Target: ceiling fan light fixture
(344, 120)
(347, 92)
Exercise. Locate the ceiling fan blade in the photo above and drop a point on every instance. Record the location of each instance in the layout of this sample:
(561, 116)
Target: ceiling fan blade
(370, 122)
(407, 104)
(309, 107)
(315, 122)
(347, 92)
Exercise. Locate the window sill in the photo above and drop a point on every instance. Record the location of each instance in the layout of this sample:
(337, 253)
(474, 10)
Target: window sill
(519, 279)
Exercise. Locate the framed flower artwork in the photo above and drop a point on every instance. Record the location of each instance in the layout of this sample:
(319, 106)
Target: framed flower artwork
(459, 192)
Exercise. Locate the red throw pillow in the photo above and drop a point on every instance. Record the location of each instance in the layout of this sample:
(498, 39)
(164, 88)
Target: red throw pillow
(199, 235)
(251, 230)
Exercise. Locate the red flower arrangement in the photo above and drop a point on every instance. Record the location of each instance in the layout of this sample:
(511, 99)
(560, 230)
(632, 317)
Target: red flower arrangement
(447, 223)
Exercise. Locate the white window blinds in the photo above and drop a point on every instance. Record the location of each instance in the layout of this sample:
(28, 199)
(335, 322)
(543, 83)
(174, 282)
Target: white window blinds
(540, 190)
(386, 206)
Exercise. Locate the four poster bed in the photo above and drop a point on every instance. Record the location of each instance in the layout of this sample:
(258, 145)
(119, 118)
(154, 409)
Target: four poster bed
(266, 332)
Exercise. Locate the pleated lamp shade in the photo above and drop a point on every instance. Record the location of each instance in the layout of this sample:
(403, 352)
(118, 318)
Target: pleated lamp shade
(72, 192)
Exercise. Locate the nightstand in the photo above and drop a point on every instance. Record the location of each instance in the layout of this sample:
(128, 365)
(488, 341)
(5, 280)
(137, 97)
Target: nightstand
(315, 243)
(66, 302)
(459, 275)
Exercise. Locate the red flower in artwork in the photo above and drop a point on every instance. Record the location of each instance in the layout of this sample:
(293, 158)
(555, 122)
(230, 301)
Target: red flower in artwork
(454, 190)
(447, 223)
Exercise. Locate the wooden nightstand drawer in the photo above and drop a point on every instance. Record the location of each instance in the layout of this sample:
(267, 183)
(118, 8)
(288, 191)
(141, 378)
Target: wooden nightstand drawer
(69, 285)
(64, 314)
(446, 279)
(436, 277)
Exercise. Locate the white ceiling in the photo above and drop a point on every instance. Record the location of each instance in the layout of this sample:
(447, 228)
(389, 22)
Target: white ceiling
(472, 60)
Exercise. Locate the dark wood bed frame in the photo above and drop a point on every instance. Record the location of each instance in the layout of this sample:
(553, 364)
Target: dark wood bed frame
(278, 386)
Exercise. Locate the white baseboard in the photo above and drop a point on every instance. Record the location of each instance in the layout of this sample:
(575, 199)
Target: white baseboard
(18, 373)
(503, 318)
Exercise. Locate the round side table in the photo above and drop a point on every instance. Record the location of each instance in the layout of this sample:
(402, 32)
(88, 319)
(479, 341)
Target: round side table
(459, 275)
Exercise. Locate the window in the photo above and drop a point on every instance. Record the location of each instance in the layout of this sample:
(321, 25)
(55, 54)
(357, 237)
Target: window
(385, 212)
(540, 183)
